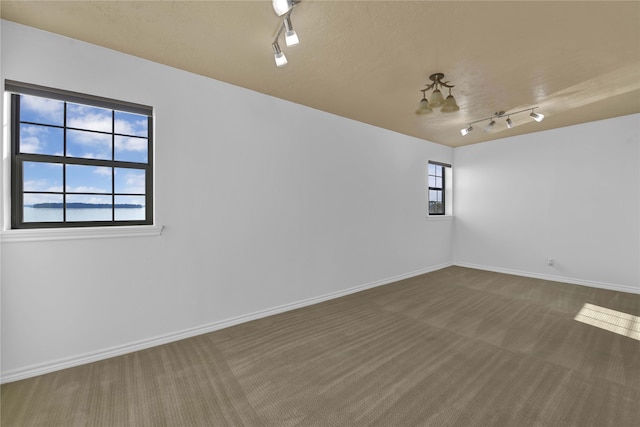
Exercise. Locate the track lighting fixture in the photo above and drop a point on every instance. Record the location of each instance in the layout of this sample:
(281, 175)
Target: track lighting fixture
(538, 117)
(509, 123)
(281, 60)
(290, 36)
(284, 7)
(448, 105)
(280, 7)
(490, 126)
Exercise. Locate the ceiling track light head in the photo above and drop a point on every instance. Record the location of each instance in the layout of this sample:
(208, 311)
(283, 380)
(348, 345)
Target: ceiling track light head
(509, 123)
(490, 126)
(280, 7)
(536, 116)
(279, 57)
(290, 36)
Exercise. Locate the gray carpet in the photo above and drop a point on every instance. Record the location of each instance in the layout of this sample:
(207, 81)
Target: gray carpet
(456, 347)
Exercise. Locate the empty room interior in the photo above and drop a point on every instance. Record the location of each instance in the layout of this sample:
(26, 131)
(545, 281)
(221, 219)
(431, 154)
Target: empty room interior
(320, 213)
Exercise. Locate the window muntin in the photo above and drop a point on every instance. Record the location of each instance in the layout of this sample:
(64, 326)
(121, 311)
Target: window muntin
(78, 164)
(436, 189)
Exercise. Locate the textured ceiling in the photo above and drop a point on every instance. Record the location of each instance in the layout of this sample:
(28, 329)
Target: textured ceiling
(578, 61)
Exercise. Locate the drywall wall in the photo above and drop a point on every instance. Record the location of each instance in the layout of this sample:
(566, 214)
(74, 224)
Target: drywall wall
(570, 194)
(266, 205)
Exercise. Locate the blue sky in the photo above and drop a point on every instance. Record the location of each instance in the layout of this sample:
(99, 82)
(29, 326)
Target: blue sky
(81, 143)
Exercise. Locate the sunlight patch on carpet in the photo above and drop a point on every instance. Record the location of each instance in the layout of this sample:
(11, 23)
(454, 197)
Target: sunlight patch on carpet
(610, 320)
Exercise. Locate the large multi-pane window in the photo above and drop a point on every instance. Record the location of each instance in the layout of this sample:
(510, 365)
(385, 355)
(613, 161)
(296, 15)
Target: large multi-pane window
(79, 160)
(436, 176)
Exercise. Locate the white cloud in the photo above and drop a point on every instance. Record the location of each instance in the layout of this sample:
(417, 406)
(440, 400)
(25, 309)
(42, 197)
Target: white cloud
(49, 109)
(86, 189)
(33, 130)
(31, 144)
(131, 144)
(89, 138)
(33, 139)
(134, 182)
(102, 171)
(132, 127)
(41, 185)
(84, 117)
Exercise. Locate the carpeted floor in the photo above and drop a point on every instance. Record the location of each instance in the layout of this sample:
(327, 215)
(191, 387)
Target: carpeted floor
(456, 347)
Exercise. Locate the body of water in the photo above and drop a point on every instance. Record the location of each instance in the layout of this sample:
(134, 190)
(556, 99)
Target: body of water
(55, 214)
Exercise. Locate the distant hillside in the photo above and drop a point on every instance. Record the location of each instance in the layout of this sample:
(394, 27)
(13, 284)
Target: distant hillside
(86, 206)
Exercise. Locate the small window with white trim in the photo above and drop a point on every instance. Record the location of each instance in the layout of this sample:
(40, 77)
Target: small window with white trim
(439, 179)
(78, 160)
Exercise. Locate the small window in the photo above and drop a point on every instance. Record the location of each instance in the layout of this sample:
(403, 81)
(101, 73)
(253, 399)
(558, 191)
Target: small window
(79, 160)
(438, 175)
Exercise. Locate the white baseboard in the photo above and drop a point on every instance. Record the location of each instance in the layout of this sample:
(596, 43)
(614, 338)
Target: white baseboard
(69, 362)
(590, 283)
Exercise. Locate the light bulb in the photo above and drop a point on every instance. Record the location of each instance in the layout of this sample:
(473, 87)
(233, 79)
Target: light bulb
(290, 36)
(424, 108)
(450, 105)
(280, 7)
(509, 123)
(490, 126)
(537, 116)
(436, 99)
(466, 130)
(281, 60)
(279, 57)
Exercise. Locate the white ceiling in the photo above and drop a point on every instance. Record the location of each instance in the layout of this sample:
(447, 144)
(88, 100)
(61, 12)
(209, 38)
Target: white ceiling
(578, 61)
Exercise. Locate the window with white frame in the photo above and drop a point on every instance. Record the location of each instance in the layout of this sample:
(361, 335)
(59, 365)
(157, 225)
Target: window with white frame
(78, 160)
(439, 188)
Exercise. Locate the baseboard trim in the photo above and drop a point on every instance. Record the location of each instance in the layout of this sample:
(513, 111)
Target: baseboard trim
(574, 281)
(57, 365)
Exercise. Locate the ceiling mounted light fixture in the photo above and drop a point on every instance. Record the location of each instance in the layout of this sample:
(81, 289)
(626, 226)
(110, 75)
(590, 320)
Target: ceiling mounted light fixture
(281, 60)
(509, 123)
(423, 107)
(466, 130)
(448, 105)
(538, 117)
(290, 36)
(490, 126)
(284, 7)
(280, 7)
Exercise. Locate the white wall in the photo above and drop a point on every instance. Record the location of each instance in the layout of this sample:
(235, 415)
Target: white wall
(258, 219)
(265, 204)
(571, 194)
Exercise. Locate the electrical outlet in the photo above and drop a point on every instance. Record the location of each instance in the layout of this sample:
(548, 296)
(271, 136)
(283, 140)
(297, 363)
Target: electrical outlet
(550, 262)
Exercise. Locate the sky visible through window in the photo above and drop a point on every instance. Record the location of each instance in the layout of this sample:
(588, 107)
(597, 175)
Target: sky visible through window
(92, 133)
(436, 189)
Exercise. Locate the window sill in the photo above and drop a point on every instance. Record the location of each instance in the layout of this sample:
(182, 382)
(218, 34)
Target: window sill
(440, 217)
(40, 234)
